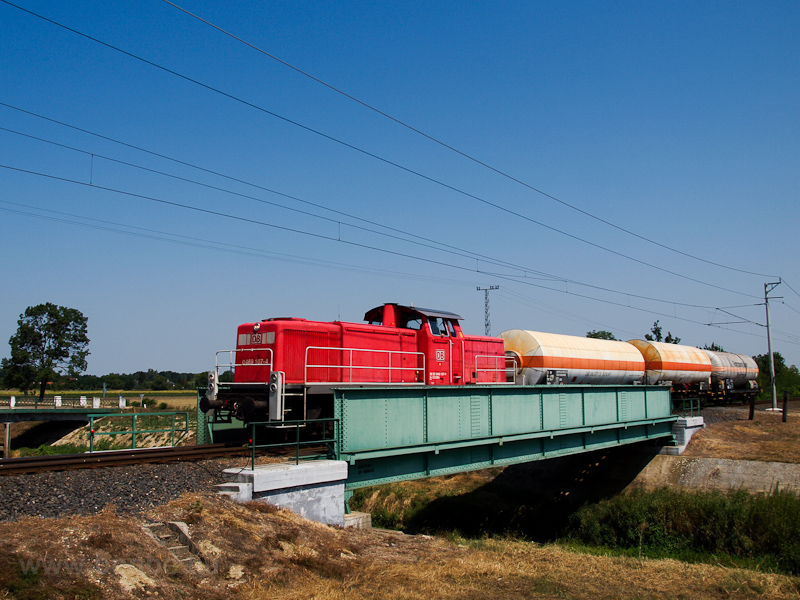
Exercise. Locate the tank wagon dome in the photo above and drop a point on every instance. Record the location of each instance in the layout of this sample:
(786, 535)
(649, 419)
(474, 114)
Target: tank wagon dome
(543, 357)
(672, 362)
(738, 367)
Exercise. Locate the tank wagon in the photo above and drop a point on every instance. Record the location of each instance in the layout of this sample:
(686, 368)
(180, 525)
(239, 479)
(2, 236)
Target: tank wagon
(733, 377)
(556, 359)
(285, 369)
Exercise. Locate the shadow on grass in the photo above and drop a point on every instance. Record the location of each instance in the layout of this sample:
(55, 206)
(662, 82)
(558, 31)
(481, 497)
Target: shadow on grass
(533, 500)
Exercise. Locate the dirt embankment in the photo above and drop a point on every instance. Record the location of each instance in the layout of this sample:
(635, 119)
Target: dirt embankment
(733, 452)
(729, 434)
(255, 551)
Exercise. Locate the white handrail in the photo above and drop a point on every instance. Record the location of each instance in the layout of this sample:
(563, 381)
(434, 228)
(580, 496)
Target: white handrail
(496, 369)
(351, 367)
(267, 362)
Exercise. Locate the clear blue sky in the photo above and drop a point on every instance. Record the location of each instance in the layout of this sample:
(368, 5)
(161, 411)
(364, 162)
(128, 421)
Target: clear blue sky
(678, 121)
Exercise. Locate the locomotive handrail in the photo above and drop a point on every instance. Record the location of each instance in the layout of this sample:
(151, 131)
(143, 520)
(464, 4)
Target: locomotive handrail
(390, 369)
(267, 362)
(496, 369)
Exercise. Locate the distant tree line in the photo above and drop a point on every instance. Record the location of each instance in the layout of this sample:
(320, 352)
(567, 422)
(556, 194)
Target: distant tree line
(787, 378)
(149, 380)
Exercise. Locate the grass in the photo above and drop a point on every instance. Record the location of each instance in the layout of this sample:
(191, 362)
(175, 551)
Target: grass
(737, 528)
(46, 450)
(402, 506)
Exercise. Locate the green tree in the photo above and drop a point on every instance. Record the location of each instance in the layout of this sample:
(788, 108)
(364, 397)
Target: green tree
(50, 341)
(655, 335)
(600, 335)
(714, 347)
(762, 360)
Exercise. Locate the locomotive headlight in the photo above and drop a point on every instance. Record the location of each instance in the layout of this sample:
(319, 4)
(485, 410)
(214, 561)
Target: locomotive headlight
(273, 378)
(273, 387)
(256, 327)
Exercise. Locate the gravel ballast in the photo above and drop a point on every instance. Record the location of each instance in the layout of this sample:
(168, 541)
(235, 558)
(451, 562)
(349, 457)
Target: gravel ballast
(130, 489)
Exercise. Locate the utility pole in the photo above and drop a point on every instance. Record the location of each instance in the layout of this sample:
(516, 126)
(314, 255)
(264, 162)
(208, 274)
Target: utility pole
(486, 291)
(768, 287)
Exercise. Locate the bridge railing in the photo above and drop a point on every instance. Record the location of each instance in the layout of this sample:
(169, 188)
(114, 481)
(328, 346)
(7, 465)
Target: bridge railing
(687, 406)
(136, 428)
(330, 438)
(62, 401)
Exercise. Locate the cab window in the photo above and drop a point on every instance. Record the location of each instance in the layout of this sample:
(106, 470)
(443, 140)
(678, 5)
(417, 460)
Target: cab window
(451, 328)
(438, 326)
(413, 323)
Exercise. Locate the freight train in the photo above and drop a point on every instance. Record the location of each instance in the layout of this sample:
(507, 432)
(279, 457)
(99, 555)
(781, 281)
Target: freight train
(284, 369)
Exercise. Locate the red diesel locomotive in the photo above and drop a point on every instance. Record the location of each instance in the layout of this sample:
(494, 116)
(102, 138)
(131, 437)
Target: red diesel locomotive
(285, 368)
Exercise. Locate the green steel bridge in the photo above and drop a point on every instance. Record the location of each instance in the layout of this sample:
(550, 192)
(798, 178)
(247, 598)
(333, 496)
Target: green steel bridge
(400, 433)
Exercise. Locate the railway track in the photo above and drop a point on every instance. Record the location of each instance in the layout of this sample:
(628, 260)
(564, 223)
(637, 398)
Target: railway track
(38, 464)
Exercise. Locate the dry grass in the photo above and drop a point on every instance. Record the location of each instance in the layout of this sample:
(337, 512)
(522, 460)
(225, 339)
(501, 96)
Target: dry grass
(258, 552)
(509, 570)
(766, 438)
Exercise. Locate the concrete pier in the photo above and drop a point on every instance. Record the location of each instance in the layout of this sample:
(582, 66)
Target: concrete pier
(314, 490)
(683, 430)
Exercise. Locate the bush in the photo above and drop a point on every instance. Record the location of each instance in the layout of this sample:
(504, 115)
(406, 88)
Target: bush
(683, 525)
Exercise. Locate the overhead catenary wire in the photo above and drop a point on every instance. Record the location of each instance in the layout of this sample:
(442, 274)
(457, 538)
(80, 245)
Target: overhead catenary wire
(439, 246)
(260, 253)
(783, 280)
(628, 306)
(368, 153)
(455, 250)
(194, 241)
(461, 153)
(547, 276)
(548, 308)
(231, 178)
(330, 238)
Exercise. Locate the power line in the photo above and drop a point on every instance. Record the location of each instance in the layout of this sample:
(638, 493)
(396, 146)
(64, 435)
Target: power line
(484, 257)
(790, 287)
(370, 154)
(193, 241)
(219, 246)
(230, 178)
(612, 291)
(628, 306)
(457, 151)
(547, 276)
(457, 251)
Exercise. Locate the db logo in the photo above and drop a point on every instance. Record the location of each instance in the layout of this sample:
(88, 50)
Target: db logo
(440, 355)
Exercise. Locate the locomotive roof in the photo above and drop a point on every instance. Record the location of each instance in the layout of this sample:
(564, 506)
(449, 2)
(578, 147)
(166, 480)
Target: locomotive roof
(423, 311)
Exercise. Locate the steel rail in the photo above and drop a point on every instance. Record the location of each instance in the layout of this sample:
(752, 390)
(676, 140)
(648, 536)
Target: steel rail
(90, 460)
